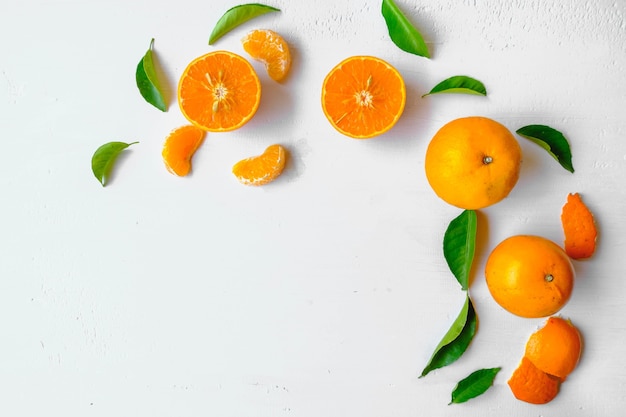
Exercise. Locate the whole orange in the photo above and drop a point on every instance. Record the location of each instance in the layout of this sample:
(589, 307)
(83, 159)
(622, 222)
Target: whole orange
(473, 162)
(529, 276)
(555, 348)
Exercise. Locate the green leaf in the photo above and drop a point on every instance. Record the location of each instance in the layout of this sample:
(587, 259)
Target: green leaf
(459, 243)
(456, 340)
(552, 141)
(236, 16)
(473, 385)
(147, 81)
(104, 158)
(460, 84)
(402, 32)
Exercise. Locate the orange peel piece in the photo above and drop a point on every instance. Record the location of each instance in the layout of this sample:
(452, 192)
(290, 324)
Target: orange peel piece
(579, 228)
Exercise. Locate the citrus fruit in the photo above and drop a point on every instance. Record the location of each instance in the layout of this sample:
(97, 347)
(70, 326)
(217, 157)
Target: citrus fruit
(219, 91)
(530, 384)
(555, 348)
(271, 49)
(473, 162)
(529, 276)
(179, 147)
(261, 169)
(363, 96)
(579, 228)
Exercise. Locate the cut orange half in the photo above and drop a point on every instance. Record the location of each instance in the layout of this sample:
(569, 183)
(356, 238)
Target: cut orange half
(363, 96)
(179, 147)
(261, 169)
(271, 49)
(219, 91)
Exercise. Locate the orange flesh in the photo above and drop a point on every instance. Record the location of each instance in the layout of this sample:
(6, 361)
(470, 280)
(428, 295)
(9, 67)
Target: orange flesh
(219, 91)
(363, 97)
(179, 147)
(261, 169)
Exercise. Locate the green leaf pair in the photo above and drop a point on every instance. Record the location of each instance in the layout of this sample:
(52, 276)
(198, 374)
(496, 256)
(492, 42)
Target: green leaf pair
(458, 248)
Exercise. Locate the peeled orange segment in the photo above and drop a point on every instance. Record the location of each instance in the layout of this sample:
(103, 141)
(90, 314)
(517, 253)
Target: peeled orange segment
(180, 146)
(219, 91)
(555, 348)
(270, 48)
(529, 276)
(530, 384)
(363, 96)
(579, 228)
(261, 169)
(473, 162)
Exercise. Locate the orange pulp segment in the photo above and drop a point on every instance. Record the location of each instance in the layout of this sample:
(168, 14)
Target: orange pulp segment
(363, 96)
(271, 49)
(261, 169)
(180, 145)
(219, 91)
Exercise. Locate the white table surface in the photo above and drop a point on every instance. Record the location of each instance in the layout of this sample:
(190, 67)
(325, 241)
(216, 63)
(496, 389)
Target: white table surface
(324, 293)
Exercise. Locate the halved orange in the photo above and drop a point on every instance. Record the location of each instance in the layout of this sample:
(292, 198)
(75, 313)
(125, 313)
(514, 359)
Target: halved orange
(261, 169)
(219, 91)
(363, 96)
(179, 147)
(271, 49)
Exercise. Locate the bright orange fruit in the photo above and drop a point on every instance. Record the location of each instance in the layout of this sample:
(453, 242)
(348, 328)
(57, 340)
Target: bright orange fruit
(530, 384)
(555, 348)
(529, 276)
(219, 91)
(473, 162)
(180, 145)
(579, 228)
(261, 169)
(363, 96)
(270, 48)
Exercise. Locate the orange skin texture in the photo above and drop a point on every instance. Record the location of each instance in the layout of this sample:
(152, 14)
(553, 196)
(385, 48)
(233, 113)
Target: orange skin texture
(529, 276)
(363, 97)
(179, 148)
(579, 228)
(530, 384)
(555, 348)
(473, 162)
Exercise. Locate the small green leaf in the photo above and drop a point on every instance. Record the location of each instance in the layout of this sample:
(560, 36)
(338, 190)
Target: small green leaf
(552, 141)
(402, 32)
(103, 159)
(456, 340)
(147, 81)
(236, 16)
(459, 242)
(460, 84)
(473, 385)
